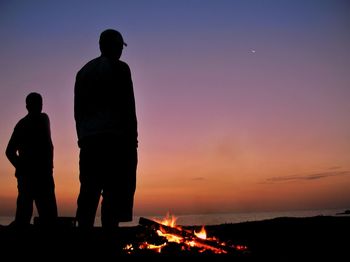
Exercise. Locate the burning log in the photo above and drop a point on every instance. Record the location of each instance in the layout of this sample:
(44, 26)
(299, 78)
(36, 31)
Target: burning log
(188, 237)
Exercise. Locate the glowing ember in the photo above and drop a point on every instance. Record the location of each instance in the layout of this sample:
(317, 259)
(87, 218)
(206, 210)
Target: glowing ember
(170, 237)
(156, 248)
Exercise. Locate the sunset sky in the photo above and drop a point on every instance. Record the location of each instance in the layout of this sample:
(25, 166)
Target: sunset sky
(242, 105)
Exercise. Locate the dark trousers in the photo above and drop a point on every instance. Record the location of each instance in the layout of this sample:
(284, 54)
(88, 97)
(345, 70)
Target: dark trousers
(38, 188)
(107, 170)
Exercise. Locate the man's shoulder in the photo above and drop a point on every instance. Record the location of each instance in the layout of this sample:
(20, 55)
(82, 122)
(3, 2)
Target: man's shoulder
(44, 116)
(90, 65)
(124, 67)
(101, 63)
(123, 64)
(27, 120)
(21, 123)
(23, 120)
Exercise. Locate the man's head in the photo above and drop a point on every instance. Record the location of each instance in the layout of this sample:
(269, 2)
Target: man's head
(111, 43)
(34, 103)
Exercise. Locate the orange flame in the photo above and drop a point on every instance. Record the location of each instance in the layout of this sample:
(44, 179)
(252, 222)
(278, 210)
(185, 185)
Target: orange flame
(201, 234)
(169, 220)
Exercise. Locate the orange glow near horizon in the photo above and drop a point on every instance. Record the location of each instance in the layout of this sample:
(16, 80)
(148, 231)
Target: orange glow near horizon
(229, 188)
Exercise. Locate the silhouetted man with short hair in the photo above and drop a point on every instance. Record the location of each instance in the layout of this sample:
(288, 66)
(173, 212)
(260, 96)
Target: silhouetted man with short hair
(30, 150)
(106, 124)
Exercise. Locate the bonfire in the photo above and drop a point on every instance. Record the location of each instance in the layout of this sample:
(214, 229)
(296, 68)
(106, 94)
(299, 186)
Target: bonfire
(165, 236)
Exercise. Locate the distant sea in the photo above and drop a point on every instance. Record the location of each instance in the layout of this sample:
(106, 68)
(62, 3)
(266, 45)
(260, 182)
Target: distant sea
(220, 218)
(228, 218)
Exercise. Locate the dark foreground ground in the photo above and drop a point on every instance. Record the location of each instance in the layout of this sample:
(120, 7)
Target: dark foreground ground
(280, 239)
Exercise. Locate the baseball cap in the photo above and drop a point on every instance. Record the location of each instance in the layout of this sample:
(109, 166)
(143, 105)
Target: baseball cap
(110, 35)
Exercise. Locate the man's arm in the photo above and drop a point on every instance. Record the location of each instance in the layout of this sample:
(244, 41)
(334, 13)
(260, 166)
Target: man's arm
(50, 153)
(11, 151)
(131, 106)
